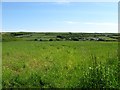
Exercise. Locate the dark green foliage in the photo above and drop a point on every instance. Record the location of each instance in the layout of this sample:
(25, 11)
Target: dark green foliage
(35, 40)
(8, 37)
(20, 33)
(41, 40)
(60, 37)
(50, 39)
(57, 39)
(27, 36)
(100, 39)
(75, 39)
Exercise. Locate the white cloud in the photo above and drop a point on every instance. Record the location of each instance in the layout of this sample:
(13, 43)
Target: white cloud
(104, 23)
(71, 22)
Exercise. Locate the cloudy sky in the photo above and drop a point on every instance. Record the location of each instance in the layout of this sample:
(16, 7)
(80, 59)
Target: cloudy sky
(60, 16)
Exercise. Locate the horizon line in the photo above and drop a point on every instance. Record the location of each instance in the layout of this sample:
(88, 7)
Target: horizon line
(53, 32)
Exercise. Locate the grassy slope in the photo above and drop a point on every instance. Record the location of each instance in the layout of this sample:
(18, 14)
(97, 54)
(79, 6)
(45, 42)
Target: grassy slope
(52, 64)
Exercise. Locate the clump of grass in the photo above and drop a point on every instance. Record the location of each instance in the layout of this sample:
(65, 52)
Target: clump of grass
(100, 75)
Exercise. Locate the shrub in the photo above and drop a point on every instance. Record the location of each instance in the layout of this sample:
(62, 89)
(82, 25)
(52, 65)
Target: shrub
(8, 37)
(50, 39)
(35, 39)
(100, 39)
(75, 39)
(41, 40)
(60, 37)
(57, 39)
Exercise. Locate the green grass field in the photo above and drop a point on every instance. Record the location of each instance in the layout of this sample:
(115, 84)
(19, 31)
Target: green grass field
(64, 64)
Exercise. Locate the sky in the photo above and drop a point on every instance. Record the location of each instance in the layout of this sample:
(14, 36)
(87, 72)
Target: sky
(60, 0)
(60, 17)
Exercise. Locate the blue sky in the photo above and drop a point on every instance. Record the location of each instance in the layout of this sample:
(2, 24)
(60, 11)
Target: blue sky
(60, 16)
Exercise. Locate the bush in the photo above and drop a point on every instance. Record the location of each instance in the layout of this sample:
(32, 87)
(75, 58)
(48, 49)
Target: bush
(60, 37)
(100, 39)
(75, 39)
(35, 39)
(8, 37)
(57, 39)
(41, 40)
(50, 39)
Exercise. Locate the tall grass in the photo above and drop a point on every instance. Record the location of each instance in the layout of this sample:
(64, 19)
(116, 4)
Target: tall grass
(101, 75)
(60, 64)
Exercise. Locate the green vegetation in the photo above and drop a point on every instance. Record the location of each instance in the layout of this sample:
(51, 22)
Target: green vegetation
(8, 37)
(27, 36)
(59, 64)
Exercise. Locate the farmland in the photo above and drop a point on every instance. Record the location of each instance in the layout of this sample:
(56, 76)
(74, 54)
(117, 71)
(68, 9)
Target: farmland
(49, 60)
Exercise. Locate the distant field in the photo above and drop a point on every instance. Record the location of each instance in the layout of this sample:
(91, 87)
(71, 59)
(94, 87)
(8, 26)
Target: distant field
(31, 36)
(64, 64)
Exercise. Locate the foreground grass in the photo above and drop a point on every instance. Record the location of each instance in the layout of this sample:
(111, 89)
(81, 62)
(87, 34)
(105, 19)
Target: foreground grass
(63, 64)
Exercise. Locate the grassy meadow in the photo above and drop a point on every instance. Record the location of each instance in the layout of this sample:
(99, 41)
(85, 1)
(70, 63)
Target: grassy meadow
(60, 64)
